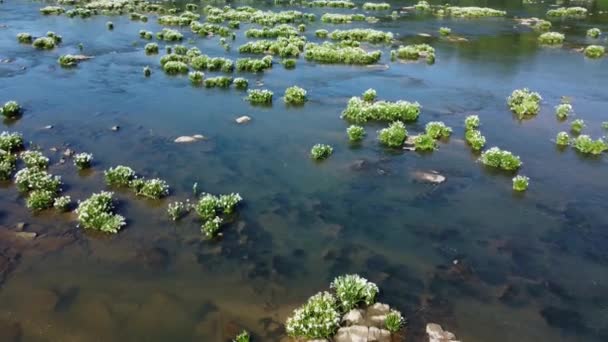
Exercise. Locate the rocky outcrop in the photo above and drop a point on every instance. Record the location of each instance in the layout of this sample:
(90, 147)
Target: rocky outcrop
(437, 334)
(365, 325)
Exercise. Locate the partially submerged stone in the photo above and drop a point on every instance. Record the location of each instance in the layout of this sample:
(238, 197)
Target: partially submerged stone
(437, 334)
(243, 119)
(431, 176)
(189, 139)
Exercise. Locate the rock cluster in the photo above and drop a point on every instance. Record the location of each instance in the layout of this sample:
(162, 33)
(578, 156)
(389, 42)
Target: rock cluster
(437, 334)
(363, 325)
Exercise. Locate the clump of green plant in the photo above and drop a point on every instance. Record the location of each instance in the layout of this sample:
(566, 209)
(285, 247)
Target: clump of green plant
(97, 213)
(563, 110)
(46, 43)
(394, 135)
(11, 142)
(145, 34)
(394, 321)
(422, 5)
(551, 38)
(204, 62)
(360, 111)
(355, 133)
(175, 67)
(471, 122)
(30, 179)
(241, 83)
(583, 143)
(120, 176)
(362, 35)
(219, 82)
(577, 126)
(169, 35)
(336, 18)
(321, 33)
(177, 210)
(472, 12)
(317, 319)
(7, 165)
(147, 71)
(438, 130)
(62, 203)
(375, 6)
(110, 25)
(24, 38)
(259, 96)
(54, 36)
(475, 139)
(52, 10)
(196, 77)
(151, 48)
(40, 199)
(151, 188)
(524, 102)
(254, 65)
(595, 51)
(242, 337)
(425, 142)
(495, 157)
(445, 31)
(352, 290)
(369, 95)
(321, 151)
(414, 52)
(138, 17)
(520, 183)
(331, 3)
(289, 63)
(210, 207)
(34, 160)
(11, 109)
(295, 95)
(594, 32)
(543, 25)
(67, 61)
(337, 54)
(568, 12)
(562, 139)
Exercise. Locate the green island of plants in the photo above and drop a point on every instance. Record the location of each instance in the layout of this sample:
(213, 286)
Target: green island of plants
(24, 38)
(568, 12)
(445, 31)
(218, 82)
(355, 133)
(52, 10)
(594, 32)
(524, 102)
(471, 12)
(585, 144)
(97, 213)
(175, 67)
(45, 43)
(394, 135)
(358, 110)
(551, 38)
(577, 126)
(329, 53)
(169, 35)
(376, 6)
(595, 51)
(295, 96)
(497, 158)
(425, 142)
(362, 35)
(213, 209)
(563, 110)
(414, 52)
(336, 18)
(520, 183)
(83, 160)
(11, 109)
(254, 65)
(34, 160)
(321, 151)
(438, 130)
(259, 96)
(331, 3)
(562, 139)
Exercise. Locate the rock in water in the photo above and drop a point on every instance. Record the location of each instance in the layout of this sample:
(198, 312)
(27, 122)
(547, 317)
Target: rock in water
(188, 139)
(243, 119)
(437, 334)
(353, 317)
(429, 177)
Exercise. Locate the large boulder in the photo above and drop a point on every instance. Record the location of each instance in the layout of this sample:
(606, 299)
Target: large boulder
(437, 334)
(354, 333)
(353, 317)
(375, 315)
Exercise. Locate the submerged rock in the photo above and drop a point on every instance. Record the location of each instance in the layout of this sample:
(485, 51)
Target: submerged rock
(424, 35)
(189, 139)
(243, 119)
(26, 235)
(431, 176)
(437, 334)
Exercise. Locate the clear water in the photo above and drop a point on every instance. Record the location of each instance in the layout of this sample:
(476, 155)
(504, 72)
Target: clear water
(531, 267)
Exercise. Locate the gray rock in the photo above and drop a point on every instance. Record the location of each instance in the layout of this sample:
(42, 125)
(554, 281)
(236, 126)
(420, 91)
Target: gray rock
(378, 309)
(378, 335)
(353, 317)
(20, 225)
(26, 235)
(68, 153)
(355, 333)
(188, 139)
(437, 334)
(243, 119)
(115, 128)
(432, 176)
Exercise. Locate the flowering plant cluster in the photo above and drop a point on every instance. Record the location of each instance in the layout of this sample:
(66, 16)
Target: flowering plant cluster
(210, 208)
(520, 183)
(359, 110)
(495, 157)
(34, 160)
(321, 151)
(317, 319)
(352, 290)
(11, 109)
(295, 95)
(524, 102)
(437, 130)
(394, 135)
(97, 213)
(83, 160)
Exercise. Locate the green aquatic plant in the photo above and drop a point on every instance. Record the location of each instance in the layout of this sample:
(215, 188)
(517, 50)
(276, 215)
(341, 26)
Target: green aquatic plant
(212, 227)
(147, 71)
(355, 133)
(543, 25)
(241, 83)
(322, 33)
(414, 52)
(177, 210)
(425, 142)
(138, 17)
(331, 3)
(52, 10)
(55, 37)
(520, 183)
(259, 96)
(151, 48)
(62, 203)
(169, 35)
(24, 38)
(577, 126)
(284, 47)
(45, 43)
(7, 165)
(209, 29)
(551, 38)
(31, 179)
(369, 95)
(352, 290)
(497, 158)
(180, 50)
(242, 337)
(289, 63)
(283, 30)
(422, 5)
(173, 57)
(594, 32)
(151, 188)
(394, 135)
(97, 213)
(209, 207)
(394, 321)
(321, 151)
(218, 82)
(336, 18)
(11, 109)
(524, 102)
(595, 51)
(175, 67)
(234, 24)
(40, 199)
(301, 28)
(335, 54)
(120, 176)
(146, 34)
(475, 139)
(67, 61)
(254, 65)
(317, 319)
(361, 111)
(80, 12)
(191, 7)
(375, 6)
(34, 160)
(438, 130)
(10, 142)
(471, 122)
(568, 12)
(110, 25)
(584, 144)
(295, 95)
(227, 203)
(204, 62)
(362, 35)
(562, 139)
(472, 12)
(196, 77)
(445, 31)
(563, 110)
(83, 160)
